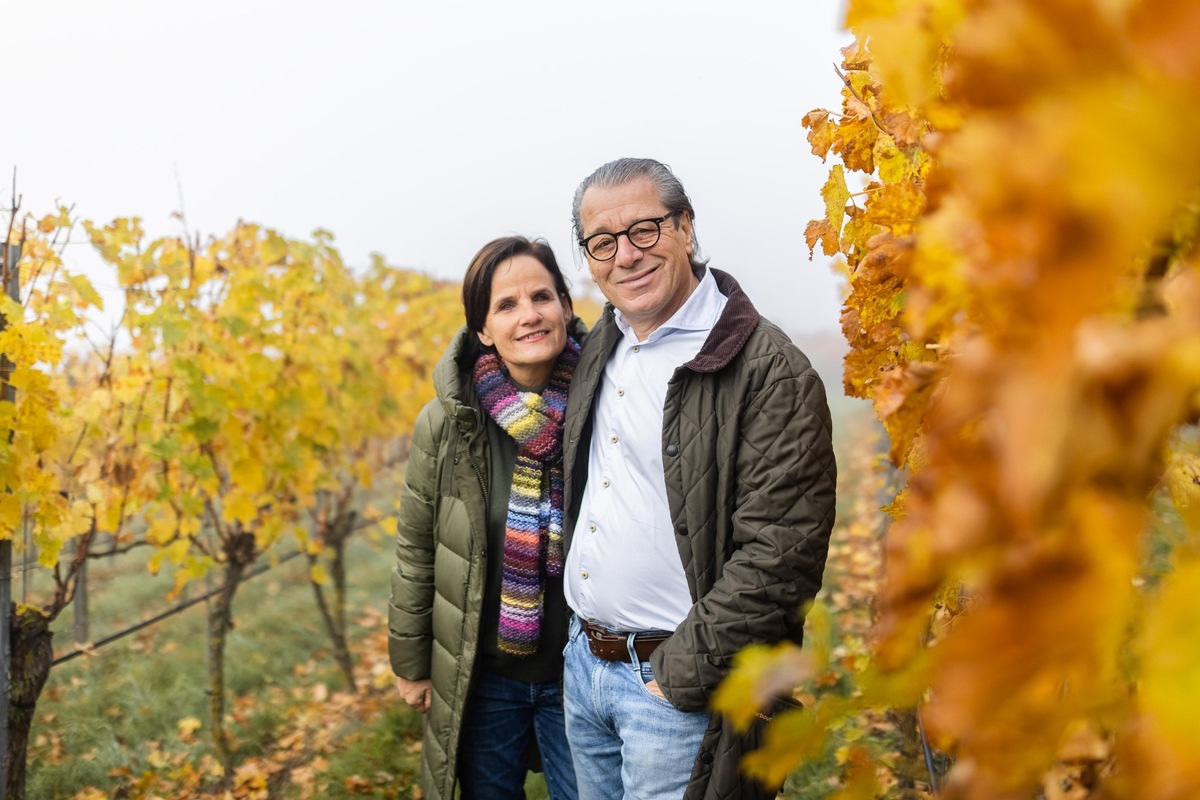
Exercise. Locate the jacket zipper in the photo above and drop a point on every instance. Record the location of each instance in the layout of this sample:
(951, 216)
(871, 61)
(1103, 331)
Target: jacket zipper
(487, 503)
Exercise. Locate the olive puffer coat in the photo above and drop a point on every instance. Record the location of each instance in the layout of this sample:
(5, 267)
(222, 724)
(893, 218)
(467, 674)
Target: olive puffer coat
(441, 556)
(439, 574)
(750, 475)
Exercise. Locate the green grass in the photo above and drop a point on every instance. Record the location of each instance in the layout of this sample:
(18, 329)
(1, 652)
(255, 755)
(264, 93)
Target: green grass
(98, 711)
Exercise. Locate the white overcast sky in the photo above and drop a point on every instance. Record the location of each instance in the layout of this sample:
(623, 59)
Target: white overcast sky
(422, 130)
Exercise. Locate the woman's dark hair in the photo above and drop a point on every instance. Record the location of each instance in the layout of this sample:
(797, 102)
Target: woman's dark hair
(477, 283)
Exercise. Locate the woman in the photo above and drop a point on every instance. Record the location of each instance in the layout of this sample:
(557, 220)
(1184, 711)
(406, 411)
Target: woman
(477, 621)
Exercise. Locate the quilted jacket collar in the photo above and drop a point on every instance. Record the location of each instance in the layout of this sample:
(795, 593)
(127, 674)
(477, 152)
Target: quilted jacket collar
(729, 335)
(725, 340)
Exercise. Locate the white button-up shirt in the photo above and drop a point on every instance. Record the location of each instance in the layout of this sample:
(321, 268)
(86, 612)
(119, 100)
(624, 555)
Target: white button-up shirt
(623, 570)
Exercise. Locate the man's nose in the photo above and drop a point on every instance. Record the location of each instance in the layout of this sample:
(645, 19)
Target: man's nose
(627, 254)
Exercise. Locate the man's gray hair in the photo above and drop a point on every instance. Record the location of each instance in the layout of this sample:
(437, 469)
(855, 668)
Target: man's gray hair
(623, 170)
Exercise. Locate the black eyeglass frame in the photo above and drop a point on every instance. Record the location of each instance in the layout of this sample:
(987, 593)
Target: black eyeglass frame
(658, 221)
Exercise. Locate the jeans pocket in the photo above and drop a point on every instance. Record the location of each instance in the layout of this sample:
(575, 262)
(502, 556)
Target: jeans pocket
(646, 673)
(574, 631)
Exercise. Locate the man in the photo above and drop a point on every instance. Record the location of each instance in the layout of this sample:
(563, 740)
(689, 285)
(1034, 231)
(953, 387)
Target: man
(699, 497)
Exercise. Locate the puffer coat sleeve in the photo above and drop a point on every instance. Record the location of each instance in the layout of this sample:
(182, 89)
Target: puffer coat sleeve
(410, 611)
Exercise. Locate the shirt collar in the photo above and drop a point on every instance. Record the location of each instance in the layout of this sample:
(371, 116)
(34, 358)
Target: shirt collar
(699, 312)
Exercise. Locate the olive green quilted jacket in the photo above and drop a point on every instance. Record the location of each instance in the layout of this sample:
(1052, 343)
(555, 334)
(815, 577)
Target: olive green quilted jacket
(750, 474)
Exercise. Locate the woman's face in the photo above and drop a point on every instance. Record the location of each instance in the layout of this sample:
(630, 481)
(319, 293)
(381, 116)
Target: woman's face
(526, 320)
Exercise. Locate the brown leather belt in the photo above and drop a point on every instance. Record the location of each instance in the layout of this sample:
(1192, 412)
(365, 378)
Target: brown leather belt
(611, 646)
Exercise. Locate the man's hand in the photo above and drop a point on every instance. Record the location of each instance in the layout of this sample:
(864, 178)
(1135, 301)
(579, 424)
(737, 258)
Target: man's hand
(654, 690)
(419, 693)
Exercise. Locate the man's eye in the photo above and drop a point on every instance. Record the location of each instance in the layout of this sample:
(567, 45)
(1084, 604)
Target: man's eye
(643, 233)
(601, 246)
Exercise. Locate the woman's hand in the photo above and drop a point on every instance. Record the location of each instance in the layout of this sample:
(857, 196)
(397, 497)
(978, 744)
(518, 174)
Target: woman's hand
(416, 693)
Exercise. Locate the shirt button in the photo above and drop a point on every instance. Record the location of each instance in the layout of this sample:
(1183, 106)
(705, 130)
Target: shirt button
(637, 349)
(604, 483)
(620, 392)
(583, 575)
(592, 528)
(613, 439)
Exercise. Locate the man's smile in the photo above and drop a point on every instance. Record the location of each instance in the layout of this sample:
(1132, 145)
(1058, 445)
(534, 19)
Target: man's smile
(639, 280)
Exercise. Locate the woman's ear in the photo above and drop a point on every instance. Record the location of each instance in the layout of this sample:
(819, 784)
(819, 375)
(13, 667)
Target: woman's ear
(485, 339)
(569, 308)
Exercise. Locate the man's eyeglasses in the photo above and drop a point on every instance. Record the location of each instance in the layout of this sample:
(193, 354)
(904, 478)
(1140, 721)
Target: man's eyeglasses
(642, 234)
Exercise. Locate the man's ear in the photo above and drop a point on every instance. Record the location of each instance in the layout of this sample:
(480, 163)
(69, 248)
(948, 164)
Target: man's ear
(685, 227)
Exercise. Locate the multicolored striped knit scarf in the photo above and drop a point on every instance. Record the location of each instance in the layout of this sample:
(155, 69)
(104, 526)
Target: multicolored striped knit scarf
(533, 538)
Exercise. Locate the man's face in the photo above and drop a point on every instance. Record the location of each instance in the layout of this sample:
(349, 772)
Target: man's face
(650, 285)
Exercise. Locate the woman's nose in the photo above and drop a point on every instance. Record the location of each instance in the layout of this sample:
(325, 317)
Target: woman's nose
(530, 312)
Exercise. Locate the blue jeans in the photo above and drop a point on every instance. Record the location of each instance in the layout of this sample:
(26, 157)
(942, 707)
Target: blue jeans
(627, 743)
(501, 716)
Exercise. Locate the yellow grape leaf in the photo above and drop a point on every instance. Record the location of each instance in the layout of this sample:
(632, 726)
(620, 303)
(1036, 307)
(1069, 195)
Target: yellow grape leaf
(188, 726)
(88, 295)
(1170, 683)
(901, 399)
(860, 782)
(818, 641)
(820, 132)
(239, 507)
(836, 196)
(273, 249)
(318, 575)
(364, 473)
(794, 737)
(10, 514)
(160, 525)
(895, 206)
(823, 231)
(90, 794)
(190, 567)
(249, 475)
(29, 344)
(854, 141)
(893, 164)
(760, 673)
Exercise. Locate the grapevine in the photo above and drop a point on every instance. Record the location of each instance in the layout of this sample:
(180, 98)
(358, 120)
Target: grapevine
(1024, 313)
